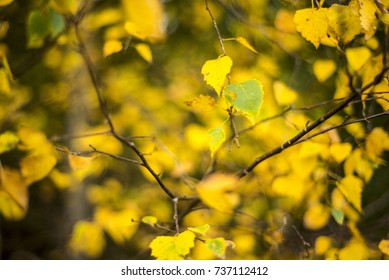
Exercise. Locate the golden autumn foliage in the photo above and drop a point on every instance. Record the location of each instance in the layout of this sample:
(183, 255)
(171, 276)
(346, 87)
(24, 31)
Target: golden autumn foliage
(194, 129)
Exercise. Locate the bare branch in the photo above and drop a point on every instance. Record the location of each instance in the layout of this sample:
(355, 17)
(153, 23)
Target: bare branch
(216, 27)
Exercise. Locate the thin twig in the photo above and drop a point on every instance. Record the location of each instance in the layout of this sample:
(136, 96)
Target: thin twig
(216, 27)
(124, 159)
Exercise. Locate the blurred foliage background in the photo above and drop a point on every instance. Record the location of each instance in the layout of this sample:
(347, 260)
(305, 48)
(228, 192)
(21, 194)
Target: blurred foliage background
(59, 199)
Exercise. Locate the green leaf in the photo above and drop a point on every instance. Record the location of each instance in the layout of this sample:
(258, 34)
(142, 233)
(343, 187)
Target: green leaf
(8, 141)
(200, 229)
(43, 23)
(338, 215)
(218, 246)
(172, 247)
(216, 138)
(246, 98)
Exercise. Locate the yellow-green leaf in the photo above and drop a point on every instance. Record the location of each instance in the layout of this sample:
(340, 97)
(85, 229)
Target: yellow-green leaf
(246, 98)
(217, 246)
(8, 141)
(172, 247)
(204, 103)
(312, 24)
(200, 229)
(218, 191)
(216, 138)
(215, 72)
(338, 215)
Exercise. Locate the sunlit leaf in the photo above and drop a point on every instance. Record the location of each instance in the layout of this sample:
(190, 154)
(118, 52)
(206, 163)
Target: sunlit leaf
(246, 98)
(376, 143)
(120, 225)
(144, 51)
(216, 138)
(316, 217)
(144, 19)
(357, 57)
(202, 230)
(344, 22)
(283, 94)
(218, 191)
(215, 72)
(243, 42)
(150, 220)
(66, 7)
(172, 247)
(9, 208)
(323, 69)
(357, 163)
(322, 244)
(384, 246)
(351, 187)
(354, 250)
(312, 24)
(340, 151)
(112, 46)
(5, 85)
(88, 239)
(79, 162)
(204, 103)
(368, 17)
(5, 2)
(8, 141)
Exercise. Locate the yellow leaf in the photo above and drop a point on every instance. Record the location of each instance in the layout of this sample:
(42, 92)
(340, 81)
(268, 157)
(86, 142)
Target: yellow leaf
(344, 22)
(358, 164)
(150, 220)
(66, 6)
(243, 42)
(323, 69)
(36, 166)
(119, 225)
(8, 141)
(368, 18)
(204, 103)
(322, 245)
(144, 51)
(215, 72)
(5, 86)
(384, 246)
(357, 57)
(145, 19)
(111, 47)
(340, 151)
(283, 94)
(284, 21)
(12, 182)
(351, 187)
(290, 186)
(5, 2)
(312, 24)
(217, 191)
(354, 250)
(9, 208)
(87, 239)
(172, 247)
(200, 229)
(377, 142)
(316, 217)
(382, 87)
(79, 162)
